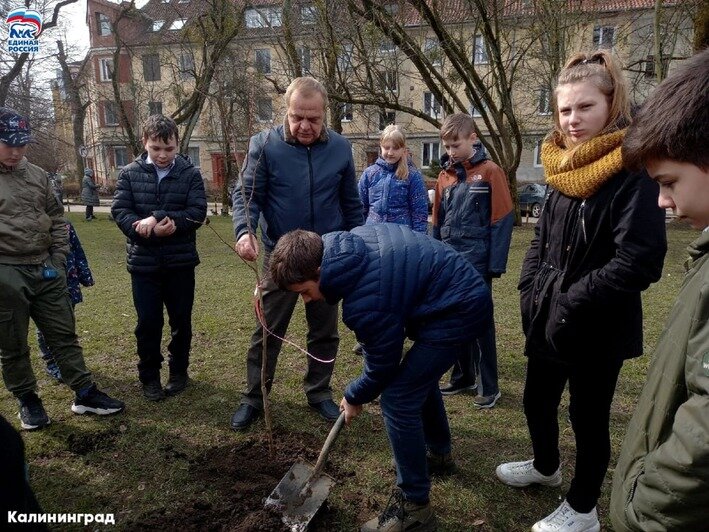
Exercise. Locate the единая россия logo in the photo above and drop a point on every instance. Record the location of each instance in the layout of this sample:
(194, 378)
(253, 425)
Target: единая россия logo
(24, 28)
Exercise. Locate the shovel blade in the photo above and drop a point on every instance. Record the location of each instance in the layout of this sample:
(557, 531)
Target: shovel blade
(298, 507)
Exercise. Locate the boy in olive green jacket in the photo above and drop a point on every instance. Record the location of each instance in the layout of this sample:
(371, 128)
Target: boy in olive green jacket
(661, 481)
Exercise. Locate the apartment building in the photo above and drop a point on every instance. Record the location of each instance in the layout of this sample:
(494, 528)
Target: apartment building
(154, 59)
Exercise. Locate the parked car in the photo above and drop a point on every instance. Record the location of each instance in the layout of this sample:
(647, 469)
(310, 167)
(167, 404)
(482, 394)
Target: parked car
(531, 198)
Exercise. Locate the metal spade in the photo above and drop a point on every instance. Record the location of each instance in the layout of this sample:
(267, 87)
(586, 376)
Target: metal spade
(303, 489)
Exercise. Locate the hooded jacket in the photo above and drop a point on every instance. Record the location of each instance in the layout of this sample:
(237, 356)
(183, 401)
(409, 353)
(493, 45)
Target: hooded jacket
(179, 195)
(586, 267)
(661, 481)
(32, 225)
(396, 283)
(89, 192)
(286, 185)
(473, 211)
(386, 198)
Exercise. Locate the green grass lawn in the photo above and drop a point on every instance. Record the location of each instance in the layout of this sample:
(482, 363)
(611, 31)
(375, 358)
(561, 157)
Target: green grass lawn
(143, 461)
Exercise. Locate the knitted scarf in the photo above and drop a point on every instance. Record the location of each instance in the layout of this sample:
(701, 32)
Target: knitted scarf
(580, 172)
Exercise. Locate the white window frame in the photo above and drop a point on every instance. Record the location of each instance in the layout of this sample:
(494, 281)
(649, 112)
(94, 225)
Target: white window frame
(263, 17)
(432, 50)
(305, 55)
(178, 24)
(601, 31)
(110, 104)
(106, 68)
(432, 108)
(346, 110)
(538, 153)
(262, 60)
(308, 15)
(480, 56)
(344, 59)
(103, 24)
(157, 25)
(190, 154)
(387, 46)
(429, 146)
(186, 65)
(544, 107)
(391, 81)
(125, 157)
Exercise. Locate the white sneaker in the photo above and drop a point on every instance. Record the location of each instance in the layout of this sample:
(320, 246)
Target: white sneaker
(566, 519)
(521, 474)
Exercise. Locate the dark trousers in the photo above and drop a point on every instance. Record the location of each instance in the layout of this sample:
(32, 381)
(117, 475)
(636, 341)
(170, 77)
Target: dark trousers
(480, 357)
(25, 294)
(89, 212)
(175, 290)
(415, 417)
(322, 342)
(591, 388)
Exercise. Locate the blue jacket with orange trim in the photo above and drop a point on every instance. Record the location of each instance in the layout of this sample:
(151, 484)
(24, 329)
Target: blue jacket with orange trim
(473, 211)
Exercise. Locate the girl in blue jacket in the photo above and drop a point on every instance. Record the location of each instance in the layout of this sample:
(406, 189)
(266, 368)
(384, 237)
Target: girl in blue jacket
(392, 189)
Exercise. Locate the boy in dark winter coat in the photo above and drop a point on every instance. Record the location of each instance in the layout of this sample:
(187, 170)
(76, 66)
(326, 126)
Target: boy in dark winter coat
(34, 244)
(159, 205)
(473, 213)
(661, 481)
(395, 283)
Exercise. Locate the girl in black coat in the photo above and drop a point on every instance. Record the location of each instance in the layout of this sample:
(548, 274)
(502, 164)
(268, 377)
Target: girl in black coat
(599, 243)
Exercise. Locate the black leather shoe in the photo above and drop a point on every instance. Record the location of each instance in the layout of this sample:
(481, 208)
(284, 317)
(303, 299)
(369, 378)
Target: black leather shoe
(153, 391)
(176, 384)
(244, 416)
(327, 409)
(452, 389)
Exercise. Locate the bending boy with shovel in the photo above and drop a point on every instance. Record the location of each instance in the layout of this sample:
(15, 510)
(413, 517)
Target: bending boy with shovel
(394, 284)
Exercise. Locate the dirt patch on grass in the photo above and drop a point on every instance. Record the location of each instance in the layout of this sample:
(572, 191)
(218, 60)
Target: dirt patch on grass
(244, 475)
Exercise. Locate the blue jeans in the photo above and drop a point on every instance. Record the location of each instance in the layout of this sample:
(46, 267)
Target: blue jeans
(415, 417)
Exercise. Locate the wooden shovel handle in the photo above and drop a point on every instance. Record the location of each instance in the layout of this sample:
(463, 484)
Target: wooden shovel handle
(334, 432)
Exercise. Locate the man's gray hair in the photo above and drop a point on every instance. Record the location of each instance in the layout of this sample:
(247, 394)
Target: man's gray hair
(306, 86)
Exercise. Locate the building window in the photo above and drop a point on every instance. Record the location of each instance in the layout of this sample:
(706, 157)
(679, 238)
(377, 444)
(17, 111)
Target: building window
(544, 105)
(154, 108)
(178, 24)
(120, 156)
(106, 69)
(603, 36)
(304, 55)
(151, 67)
(110, 113)
(308, 14)
(392, 9)
(344, 60)
(263, 17)
(263, 60)
(430, 106)
(538, 153)
(386, 118)
(345, 111)
(390, 80)
(157, 24)
(186, 66)
(193, 154)
(387, 46)
(264, 109)
(103, 23)
(432, 50)
(480, 51)
(431, 152)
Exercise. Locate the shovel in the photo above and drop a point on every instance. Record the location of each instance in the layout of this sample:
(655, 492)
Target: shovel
(303, 489)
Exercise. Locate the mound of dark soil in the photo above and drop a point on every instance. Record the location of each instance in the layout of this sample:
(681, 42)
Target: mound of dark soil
(244, 475)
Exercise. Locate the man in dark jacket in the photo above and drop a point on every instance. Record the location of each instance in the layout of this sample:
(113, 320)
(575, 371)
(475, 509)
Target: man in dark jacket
(159, 205)
(395, 283)
(298, 176)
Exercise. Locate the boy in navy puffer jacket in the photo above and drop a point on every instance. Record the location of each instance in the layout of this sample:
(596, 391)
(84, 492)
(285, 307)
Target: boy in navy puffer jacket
(395, 283)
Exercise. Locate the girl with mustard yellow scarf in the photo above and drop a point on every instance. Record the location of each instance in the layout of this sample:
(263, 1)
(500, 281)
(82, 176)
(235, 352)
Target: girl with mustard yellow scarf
(600, 241)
